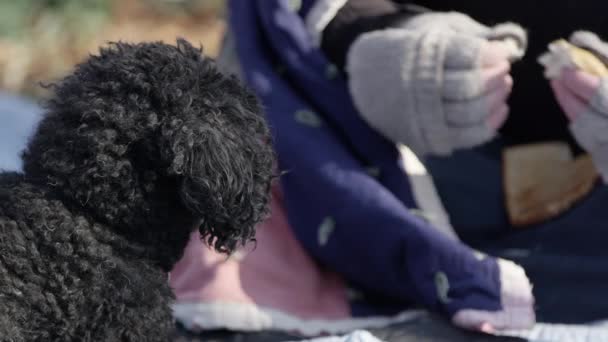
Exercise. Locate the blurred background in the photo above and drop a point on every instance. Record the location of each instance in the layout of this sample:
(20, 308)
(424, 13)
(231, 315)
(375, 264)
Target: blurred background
(41, 40)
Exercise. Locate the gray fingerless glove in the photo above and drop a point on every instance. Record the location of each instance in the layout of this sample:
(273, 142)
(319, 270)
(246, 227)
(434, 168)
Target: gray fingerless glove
(419, 84)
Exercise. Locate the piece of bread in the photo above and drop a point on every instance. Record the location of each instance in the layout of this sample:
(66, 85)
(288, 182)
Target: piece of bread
(584, 59)
(543, 180)
(562, 54)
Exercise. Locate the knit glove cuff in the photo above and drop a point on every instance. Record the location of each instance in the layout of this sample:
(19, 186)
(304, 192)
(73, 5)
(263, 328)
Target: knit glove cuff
(590, 127)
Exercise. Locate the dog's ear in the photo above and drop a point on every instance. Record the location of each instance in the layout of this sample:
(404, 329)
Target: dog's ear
(223, 161)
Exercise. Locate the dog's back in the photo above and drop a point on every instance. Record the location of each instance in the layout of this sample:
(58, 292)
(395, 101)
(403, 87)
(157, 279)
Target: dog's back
(59, 270)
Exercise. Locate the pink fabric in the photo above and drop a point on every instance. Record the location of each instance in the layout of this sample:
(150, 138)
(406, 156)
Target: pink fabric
(574, 90)
(276, 274)
(279, 275)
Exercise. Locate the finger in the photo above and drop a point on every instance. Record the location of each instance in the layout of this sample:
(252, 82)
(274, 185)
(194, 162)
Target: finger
(590, 41)
(498, 117)
(486, 328)
(570, 104)
(494, 52)
(585, 39)
(465, 52)
(513, 36)
(587, 87)
(497, 76)
(460, 85)
(582, 84)
(475, 111)
(462, 51)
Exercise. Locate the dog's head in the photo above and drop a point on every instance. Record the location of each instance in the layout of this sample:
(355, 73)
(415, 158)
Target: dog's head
(152, 140)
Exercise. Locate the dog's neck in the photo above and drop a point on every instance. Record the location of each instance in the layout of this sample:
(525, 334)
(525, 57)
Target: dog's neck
(163, 243)
(159, 233)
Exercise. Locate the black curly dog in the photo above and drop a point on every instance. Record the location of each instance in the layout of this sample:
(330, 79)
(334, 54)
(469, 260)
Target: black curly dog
(139, 147)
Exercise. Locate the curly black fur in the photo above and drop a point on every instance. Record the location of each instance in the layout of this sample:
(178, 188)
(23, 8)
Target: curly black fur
(140, 146)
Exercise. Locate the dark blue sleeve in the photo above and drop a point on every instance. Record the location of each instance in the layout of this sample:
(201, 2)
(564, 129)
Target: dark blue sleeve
(352, 220)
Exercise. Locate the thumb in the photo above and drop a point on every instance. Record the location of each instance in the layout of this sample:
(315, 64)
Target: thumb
(497, 52)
